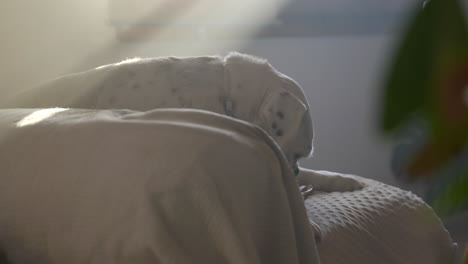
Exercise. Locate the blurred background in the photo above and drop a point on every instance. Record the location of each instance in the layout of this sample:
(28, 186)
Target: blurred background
(337, 50)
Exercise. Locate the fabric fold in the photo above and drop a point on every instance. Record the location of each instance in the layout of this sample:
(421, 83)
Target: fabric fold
(164, 186)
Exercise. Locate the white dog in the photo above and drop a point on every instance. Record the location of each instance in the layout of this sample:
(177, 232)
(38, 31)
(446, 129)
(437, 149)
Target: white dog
(240, 86)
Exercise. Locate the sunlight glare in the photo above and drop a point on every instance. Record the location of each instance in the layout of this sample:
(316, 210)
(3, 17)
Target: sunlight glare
(38, 116)
(234, 20)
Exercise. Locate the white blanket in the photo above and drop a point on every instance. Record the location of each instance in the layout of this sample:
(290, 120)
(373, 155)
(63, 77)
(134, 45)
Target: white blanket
(166, 186)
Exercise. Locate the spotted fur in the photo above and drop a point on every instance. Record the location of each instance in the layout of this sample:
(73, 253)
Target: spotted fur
(238, 85)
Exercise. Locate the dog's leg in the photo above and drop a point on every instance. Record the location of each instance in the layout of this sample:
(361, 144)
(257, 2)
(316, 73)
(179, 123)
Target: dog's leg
(328, 181)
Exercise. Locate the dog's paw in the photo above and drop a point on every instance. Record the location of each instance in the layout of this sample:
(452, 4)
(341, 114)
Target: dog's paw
(329, 181)
(342, 183)
(306, 190)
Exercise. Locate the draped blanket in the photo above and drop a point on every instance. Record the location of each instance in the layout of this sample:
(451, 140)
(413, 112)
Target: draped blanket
(165, 186)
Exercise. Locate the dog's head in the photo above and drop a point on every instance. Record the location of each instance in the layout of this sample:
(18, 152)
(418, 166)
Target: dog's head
(261, 95)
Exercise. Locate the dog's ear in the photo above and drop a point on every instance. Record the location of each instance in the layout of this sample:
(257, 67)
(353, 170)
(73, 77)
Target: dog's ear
(283, 115)
(271, 100)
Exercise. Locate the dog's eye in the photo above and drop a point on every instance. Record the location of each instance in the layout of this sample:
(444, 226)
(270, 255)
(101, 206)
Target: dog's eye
(296, 156)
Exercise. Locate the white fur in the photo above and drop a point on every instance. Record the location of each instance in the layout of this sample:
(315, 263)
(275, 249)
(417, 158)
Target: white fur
(238, 85)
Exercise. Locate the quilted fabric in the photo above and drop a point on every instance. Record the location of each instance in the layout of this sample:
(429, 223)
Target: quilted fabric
(378, 224)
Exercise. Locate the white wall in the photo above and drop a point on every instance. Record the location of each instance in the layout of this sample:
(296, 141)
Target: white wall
(43, 39)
